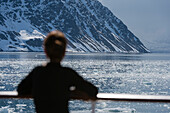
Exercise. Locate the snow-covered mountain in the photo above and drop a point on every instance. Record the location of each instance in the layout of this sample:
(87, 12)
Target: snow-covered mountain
(87, 24)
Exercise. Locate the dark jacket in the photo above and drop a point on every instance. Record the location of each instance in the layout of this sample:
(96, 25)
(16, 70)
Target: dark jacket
(50, 87)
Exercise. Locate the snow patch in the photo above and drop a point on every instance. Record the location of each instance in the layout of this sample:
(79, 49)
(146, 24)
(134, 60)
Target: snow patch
(26, 36)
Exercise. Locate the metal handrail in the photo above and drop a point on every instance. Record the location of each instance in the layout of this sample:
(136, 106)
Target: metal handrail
(102, 96)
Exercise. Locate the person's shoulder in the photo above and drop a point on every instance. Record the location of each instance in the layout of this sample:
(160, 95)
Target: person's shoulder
(68, 69)
(39, 67)
(71, 72)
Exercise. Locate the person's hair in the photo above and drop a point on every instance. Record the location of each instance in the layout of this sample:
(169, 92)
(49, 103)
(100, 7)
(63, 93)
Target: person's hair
(55, 45)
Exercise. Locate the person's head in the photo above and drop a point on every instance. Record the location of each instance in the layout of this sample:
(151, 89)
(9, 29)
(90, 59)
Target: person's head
(55, 46)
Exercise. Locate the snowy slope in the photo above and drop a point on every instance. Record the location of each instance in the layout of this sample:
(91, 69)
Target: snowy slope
(87, 24)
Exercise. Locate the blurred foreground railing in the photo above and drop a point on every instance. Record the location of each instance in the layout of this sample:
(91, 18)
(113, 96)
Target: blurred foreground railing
(101, 96)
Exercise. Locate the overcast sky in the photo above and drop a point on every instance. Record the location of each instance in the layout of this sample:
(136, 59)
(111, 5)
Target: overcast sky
(149, 20)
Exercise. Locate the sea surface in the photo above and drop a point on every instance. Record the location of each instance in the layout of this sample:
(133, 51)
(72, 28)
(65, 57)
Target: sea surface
(143, 74)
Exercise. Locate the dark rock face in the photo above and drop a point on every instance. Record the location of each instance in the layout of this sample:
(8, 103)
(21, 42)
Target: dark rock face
(34, 42)
(87, 24)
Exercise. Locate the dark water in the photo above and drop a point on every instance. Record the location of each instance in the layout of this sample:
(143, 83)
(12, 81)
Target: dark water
(111, 73)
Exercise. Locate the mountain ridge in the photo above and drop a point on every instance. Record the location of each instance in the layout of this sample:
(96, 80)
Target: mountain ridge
(88, 26)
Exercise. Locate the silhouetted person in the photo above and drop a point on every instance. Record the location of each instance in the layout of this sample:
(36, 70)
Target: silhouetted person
(50, 85)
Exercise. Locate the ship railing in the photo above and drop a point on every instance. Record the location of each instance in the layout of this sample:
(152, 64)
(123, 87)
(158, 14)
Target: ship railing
(100, 96)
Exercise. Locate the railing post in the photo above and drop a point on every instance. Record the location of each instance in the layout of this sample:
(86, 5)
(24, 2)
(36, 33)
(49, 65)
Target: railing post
(93, 105)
